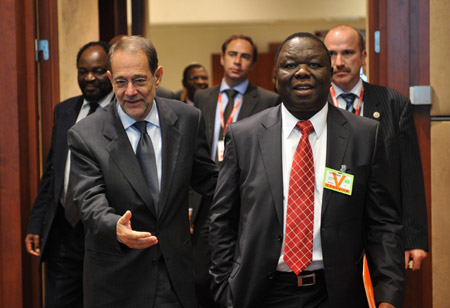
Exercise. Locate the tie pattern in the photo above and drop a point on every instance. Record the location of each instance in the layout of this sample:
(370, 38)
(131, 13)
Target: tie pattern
(300, 208)
(349, 98)
(145, 154)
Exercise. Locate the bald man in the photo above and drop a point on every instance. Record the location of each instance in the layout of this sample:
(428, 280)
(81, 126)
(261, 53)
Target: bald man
(393, 111)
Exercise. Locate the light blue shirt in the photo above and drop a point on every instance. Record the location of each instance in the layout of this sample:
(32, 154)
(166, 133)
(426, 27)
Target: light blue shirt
(153, 130)
(240, 88)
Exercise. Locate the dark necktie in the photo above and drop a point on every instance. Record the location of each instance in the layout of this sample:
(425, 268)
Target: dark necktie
(71, 212)
(298, 244)
(145, 154)
(349, 98)
(231, 94)
(92, 107)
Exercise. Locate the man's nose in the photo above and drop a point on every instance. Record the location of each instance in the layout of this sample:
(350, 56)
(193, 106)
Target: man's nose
(89, 76)
(338, 60)
(302, 71)
(130, 89)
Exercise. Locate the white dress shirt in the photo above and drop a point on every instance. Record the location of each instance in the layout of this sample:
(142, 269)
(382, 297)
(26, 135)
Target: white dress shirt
(356, 90)
(318, 139)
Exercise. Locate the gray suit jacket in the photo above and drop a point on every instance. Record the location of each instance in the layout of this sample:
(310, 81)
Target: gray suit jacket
(247, 214)
(108, 181)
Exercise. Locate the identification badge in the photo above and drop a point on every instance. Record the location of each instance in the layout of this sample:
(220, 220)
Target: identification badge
(338, 181)
(220, 150)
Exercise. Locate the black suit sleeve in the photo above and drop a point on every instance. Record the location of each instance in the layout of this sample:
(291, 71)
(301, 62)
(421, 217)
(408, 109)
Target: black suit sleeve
(41, 203)
(414, 212)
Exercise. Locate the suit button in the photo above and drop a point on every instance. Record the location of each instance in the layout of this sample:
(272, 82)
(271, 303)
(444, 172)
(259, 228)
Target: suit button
(280, 237)
(155, 261)
(270, 275)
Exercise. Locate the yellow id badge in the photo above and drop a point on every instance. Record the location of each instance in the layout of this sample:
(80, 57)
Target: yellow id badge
(338, 181)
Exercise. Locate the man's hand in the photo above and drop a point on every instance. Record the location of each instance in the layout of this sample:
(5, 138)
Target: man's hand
(386, 305)
(133, 239)
(33, 244)
(416, 257)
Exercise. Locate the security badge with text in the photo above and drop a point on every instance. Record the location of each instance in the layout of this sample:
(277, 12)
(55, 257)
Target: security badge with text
(338, 180)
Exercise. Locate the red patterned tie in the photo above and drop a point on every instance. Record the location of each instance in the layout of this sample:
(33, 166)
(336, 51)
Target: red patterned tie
(298, 244)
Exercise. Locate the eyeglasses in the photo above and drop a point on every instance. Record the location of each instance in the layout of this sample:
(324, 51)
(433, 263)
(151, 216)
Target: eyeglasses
(137, 83)
(205, 78)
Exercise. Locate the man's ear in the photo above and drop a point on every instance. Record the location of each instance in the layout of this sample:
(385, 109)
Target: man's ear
(158, 76)
(222, 61)
(109, 76)
(363, 57)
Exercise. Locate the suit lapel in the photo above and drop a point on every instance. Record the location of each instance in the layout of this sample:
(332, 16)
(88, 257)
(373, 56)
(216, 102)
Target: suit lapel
(371, 103)
(171, 142)
(270, 146)
(67, 119)
(249, 101)
(122, 154)
(209, 112)
(337, 140)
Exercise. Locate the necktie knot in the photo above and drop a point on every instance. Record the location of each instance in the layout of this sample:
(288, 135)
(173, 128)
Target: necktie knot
(92, 107)
(305, 127)
(141, 126)
(348, 98)
(231, 94)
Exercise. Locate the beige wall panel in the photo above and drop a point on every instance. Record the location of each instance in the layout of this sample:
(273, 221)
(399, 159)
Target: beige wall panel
(440, 216)
(164, 12)
(439, 51)
(179, 46)
(77, 25)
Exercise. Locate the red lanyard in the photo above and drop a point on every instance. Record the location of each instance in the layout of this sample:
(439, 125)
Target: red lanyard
(358, 107)
(230, 118)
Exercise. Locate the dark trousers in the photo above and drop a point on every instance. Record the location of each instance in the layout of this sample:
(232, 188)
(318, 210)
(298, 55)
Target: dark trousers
(64, 258)
(285, 293)
(202, 257)
(165, 294)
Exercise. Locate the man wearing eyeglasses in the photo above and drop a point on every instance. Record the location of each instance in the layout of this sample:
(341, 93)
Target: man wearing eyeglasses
(133, 164)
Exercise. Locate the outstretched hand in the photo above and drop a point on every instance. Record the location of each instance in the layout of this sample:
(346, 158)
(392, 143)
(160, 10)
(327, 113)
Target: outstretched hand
(131, 238)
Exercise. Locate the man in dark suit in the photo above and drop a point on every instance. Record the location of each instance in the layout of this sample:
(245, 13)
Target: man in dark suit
(132, 164)
(393, 111)
(277, 241)
(239, 55)
(54, 234)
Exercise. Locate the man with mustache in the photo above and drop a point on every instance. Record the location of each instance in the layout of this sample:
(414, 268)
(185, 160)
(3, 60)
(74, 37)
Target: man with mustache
(302, 194)
(393, 111)
(233, 100)
(55, 233)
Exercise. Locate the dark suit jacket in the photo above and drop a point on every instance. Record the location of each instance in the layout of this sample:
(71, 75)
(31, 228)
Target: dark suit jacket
(393, 111)
(247, 214)
(109, 181)
(50, 187)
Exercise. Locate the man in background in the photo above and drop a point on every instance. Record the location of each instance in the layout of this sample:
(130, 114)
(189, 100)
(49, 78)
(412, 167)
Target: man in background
(195, 78)
(393, 111)
(234, 99)
(55, 233)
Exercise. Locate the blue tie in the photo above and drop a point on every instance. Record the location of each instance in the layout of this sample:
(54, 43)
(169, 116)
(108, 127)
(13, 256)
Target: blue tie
(349, 98)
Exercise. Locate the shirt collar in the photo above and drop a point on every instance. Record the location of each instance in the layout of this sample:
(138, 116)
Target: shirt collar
(289, 122)
(241, 88)
(103, 102)
(356, 89)
(127, 121)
